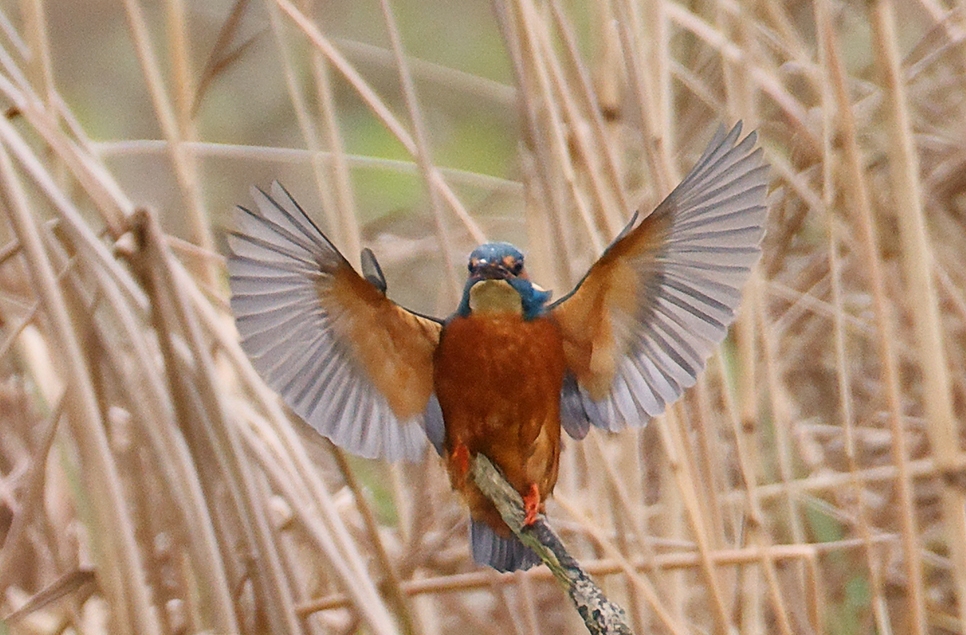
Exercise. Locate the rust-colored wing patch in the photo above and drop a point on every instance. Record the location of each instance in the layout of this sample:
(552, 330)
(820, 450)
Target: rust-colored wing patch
(393, 346)
(640, 326)
(353, 364)
(597, 323)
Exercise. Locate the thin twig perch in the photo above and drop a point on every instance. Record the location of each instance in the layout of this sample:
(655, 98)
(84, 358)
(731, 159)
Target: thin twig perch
(601, 616)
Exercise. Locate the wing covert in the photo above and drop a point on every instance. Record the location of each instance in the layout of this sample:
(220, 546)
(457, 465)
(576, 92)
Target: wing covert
(640, 326)
(353, 364)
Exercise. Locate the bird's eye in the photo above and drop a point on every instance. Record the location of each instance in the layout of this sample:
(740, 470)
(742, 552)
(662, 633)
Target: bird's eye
(517, 267)
(472, 265)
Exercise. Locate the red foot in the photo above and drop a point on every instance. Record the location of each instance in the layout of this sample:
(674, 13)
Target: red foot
(461, 460)
(531, 504)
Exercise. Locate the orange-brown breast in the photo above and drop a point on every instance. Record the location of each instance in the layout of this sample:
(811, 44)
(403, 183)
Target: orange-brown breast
(498, 380)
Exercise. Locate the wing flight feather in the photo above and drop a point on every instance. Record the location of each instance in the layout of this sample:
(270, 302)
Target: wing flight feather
(640, 326)
(353, 364)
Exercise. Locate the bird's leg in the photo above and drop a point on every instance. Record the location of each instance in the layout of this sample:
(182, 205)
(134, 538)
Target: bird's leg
(531, 504)
(460, 459)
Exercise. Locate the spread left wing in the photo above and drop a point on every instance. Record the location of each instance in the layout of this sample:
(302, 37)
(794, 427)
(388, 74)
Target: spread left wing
(353, 364)
(639, 327)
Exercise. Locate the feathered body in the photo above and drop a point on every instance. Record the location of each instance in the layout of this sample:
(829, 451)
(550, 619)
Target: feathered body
(498, 378)
(507, 370)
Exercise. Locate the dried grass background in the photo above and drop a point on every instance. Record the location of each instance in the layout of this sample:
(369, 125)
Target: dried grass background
(813, 480)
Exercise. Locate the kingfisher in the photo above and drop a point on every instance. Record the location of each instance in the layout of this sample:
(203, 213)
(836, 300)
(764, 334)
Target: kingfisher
(509, 368)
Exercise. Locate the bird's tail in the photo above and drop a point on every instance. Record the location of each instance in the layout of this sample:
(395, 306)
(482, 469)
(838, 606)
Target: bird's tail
(503, 554)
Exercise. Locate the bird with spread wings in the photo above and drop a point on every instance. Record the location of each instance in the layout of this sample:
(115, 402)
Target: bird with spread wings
(508, 369)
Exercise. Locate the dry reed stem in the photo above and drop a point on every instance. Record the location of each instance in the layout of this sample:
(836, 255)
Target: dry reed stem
(39, 44)
(403, 608)
(306, 121)
(177, 471)
(543, 199)
(179, 47)
(845, 397)
(423, 154)
(439, 76)
(33, 485)
(115, 547)
(147, 147)
(326, 529)
(607, 187)
(71, 217)
(544, 147)
(168, 118)
(345, 204)
(606, 567)
(917, 258)
(200, 412)
(653, 122)
(562, 115)
(853, 183)
(372, 100)
(670, 428)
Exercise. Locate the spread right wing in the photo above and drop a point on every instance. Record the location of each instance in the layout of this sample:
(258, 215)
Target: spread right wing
(640, 325)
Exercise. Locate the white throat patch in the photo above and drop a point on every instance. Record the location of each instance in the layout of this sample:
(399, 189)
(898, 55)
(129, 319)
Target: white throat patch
(495, 296)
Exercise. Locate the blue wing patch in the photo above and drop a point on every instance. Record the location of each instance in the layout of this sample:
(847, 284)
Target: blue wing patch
(435, 427)
(574, 417)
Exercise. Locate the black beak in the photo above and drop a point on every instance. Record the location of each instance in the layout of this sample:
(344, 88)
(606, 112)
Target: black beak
(490, 271)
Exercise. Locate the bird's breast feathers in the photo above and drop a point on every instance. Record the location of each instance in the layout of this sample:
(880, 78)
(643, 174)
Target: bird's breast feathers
(498, 379)
(490, 358)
